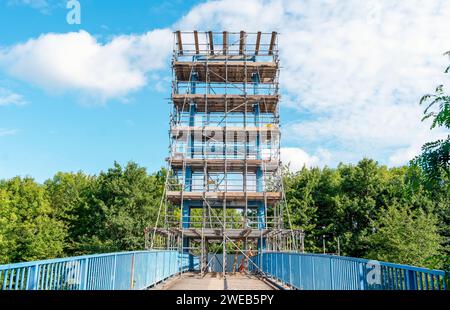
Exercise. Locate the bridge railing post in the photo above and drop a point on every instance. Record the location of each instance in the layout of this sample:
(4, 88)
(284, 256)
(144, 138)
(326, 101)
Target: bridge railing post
(32, 280)
(290, 269)
(331, 274)
(84, 274)
(411, 280)
(300, 282)
(361, 276)
(132, 272)
(313, 274)
(113, 277)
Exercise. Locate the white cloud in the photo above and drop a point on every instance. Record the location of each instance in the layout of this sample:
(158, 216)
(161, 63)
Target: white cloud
(296, 158)
(353, 70)
(7, 132)
(8, 97)
(403, 155)
(76, 61)
(375, 130)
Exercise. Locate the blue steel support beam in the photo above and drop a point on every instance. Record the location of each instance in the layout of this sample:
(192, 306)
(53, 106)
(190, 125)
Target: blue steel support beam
(186, 223)
(256, 80)
(259, 180)
(194, 79)
(192, 113)
(257, 112)
(188, 179)
(261, 224)
(261, 215)
(188, 171)
(259, 172)
(186, 214)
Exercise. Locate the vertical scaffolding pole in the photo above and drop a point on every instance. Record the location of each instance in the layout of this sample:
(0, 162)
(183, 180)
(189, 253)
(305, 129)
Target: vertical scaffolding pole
(225, 79)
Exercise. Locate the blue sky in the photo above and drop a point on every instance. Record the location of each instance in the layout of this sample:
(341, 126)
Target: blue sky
(78, 97)
(63, 132)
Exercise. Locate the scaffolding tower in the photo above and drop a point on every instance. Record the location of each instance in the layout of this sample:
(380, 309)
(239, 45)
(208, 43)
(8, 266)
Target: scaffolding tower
(224, 190)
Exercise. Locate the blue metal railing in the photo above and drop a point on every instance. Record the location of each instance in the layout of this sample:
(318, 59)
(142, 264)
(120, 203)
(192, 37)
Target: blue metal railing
(115, 271)
(328, 272)
(142, 269)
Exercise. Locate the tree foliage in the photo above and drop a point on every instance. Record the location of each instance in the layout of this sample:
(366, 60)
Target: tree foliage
(405, 236)
(354, 203)
(29, 229)
(435, 157)
(108, 212)
(127, 200)
(393, 214)
(72, 195)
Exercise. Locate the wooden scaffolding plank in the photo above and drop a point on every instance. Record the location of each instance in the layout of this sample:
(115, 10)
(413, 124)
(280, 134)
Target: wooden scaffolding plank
(217, 164)
(268, 103)
(180, 43)
(238, 71)
(269, 129)
(272, 42)
(235, 196)
(242, 43)
(197, 49)
(211, 42)
(258, 42)
(225, 42)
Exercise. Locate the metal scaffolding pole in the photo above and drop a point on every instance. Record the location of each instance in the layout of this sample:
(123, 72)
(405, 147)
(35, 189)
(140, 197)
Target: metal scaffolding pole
(224, 183)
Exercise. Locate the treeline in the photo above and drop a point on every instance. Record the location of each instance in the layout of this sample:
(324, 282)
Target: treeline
(75, 213)
(391, 214)
(368, 210)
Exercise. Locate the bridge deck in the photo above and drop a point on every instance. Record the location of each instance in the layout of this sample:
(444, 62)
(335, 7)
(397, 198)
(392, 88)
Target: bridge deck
(214, 281)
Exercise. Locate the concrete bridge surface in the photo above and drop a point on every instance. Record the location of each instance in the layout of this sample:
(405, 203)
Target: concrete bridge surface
(215, 281)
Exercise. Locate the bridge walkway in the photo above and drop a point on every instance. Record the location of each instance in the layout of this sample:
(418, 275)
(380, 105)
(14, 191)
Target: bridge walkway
(215, 281)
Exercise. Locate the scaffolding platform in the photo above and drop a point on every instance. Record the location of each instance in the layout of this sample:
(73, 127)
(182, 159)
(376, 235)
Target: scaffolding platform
(225, 71)
(269, 129)
(215, 234)
(229, 102)
(220, 164)
(224, 182)
(271, 197)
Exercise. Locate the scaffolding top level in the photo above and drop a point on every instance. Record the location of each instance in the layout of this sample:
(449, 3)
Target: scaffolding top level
(256, 46)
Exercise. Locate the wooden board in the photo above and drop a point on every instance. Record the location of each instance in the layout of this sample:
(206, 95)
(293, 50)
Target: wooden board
(272, 197)
(216, 103)
(219, 164)
(258, 42)
(273, 129)
(179, 43)
(220, 71)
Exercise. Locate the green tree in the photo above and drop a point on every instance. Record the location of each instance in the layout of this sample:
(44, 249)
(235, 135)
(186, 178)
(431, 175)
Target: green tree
(435, 157)
(361, 186)
(72, 197)
(327, 199)
(404, 236)
(8, 220)
(128, 199)
(299, 189)
(32, 232)
(348, 201)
